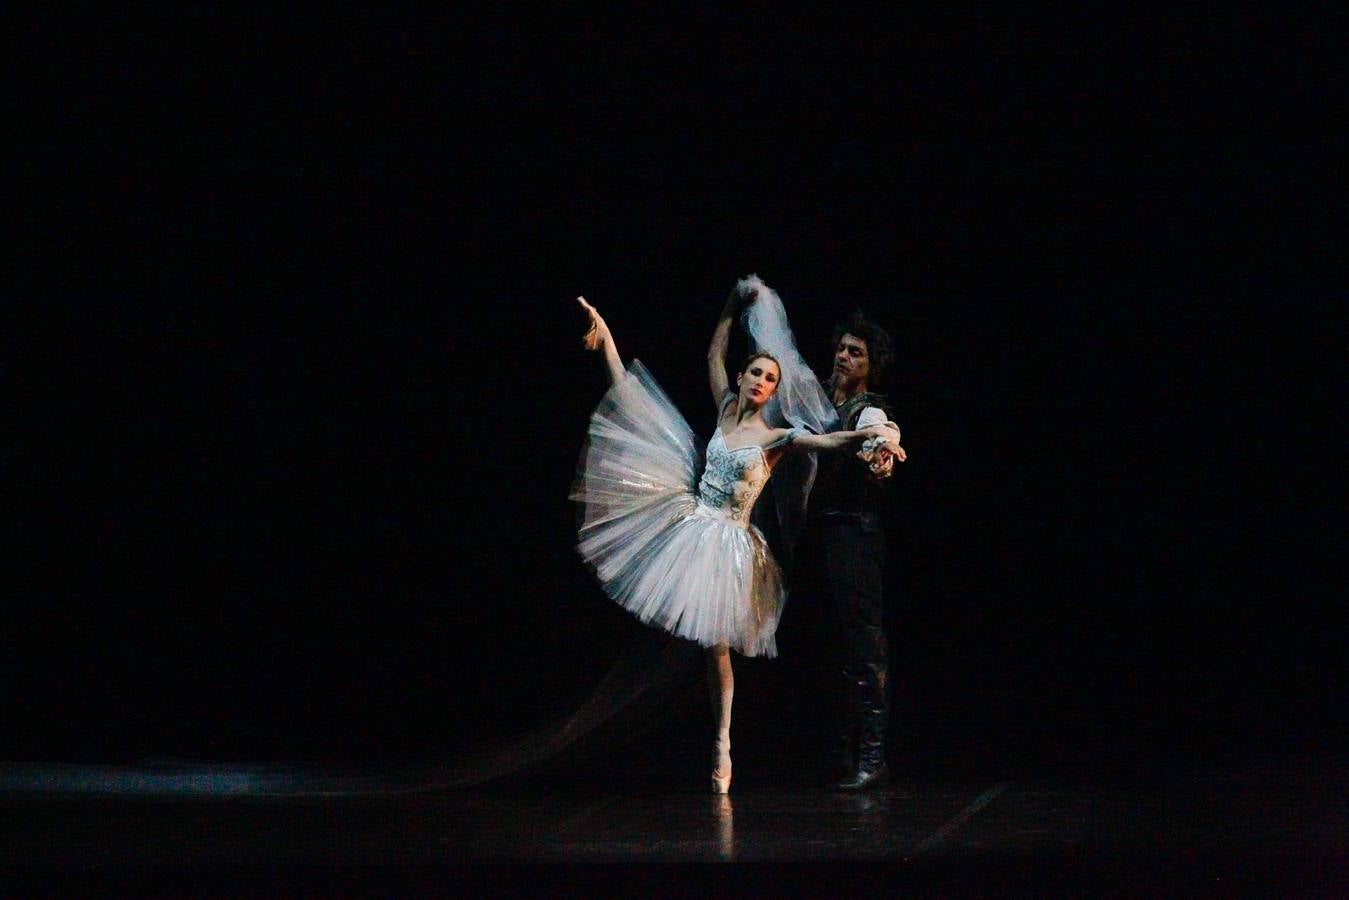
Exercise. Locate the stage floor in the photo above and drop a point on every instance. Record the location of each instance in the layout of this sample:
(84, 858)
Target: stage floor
(1283, 828)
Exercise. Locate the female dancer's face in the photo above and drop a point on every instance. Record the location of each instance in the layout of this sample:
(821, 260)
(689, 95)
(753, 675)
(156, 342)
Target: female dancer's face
(758, 382)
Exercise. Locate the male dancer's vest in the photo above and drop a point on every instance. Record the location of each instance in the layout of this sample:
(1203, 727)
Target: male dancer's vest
(844, 488)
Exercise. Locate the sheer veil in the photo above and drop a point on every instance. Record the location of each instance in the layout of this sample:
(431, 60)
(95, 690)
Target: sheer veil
(799, 402)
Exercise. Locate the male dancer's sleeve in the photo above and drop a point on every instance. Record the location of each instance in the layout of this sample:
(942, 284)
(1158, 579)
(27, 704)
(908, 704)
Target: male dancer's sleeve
(874, 415)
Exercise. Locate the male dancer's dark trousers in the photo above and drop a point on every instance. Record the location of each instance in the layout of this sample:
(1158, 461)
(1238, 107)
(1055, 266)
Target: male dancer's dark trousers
(854, 550)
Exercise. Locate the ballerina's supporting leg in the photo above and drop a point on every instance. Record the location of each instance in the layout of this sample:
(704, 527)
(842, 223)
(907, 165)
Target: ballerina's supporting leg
(721, 691)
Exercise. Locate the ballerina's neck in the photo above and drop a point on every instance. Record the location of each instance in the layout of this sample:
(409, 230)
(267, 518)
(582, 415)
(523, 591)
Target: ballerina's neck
(739, 431)
(748, 414)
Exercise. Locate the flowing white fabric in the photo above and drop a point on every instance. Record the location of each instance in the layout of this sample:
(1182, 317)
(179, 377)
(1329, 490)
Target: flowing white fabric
(677, 551)
(799, 402)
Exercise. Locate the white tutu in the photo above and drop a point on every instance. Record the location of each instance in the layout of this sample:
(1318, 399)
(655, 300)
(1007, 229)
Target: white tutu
(677, 553)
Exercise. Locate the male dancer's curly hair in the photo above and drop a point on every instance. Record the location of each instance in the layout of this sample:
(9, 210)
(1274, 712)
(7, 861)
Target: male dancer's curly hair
(880, 348)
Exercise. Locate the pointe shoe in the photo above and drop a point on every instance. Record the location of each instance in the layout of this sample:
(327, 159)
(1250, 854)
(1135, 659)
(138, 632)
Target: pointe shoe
(721, 775)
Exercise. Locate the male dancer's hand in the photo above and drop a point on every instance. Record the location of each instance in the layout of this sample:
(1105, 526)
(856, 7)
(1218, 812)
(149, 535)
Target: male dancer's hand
(882, 451)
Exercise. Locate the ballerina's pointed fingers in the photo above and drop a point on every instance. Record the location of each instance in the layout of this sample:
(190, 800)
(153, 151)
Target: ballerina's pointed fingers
(595, 335)
(595, 317)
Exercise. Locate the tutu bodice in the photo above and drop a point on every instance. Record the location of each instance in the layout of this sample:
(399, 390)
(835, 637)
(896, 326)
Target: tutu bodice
(732, 479)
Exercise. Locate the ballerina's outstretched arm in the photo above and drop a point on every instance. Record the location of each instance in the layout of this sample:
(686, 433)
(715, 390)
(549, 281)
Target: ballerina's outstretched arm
(838, 440)
(599, 338)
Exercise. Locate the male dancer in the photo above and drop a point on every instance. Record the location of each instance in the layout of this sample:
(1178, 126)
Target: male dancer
(845, 512)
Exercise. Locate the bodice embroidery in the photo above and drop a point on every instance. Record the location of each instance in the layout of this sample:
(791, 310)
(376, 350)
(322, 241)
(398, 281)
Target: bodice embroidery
(733, 479)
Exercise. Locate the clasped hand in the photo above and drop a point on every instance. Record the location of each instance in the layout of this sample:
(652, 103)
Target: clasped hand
(881, 451)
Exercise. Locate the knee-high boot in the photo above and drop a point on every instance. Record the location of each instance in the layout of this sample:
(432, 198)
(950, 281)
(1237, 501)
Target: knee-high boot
(872, 717)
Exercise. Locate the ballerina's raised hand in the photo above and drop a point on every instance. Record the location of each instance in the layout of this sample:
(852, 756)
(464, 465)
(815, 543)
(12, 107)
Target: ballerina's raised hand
(598, 337)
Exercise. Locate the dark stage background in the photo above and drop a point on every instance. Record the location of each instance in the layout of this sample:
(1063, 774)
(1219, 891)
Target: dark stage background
(297, 388)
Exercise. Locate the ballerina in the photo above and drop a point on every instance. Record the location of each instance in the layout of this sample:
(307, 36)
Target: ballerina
(678, 550)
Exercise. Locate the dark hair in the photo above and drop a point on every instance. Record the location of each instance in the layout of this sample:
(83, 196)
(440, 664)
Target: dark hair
(880, 349)
(759, 354)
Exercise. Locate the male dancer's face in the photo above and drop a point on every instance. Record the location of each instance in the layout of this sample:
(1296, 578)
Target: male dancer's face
(852, 365)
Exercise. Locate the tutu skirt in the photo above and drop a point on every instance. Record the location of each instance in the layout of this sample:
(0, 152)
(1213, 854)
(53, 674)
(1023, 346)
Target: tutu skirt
(658, 549)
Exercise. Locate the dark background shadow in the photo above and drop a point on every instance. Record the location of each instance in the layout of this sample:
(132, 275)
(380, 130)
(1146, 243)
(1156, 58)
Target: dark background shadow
(298, 392)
